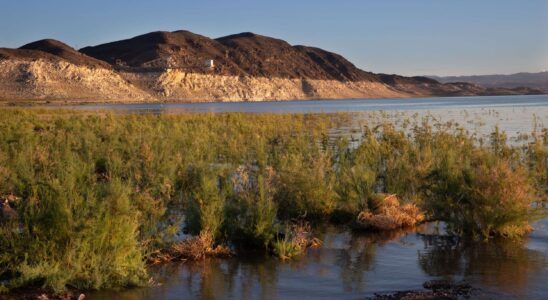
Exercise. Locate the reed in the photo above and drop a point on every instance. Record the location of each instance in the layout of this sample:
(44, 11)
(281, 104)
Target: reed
(89, 198)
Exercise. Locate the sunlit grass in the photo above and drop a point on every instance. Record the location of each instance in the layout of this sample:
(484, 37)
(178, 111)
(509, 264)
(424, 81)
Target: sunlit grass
(97, 195)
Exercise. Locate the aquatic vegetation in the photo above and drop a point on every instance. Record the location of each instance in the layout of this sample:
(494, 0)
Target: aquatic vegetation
(94, 197)
(193, 248)
(251, 211)
(306, 184)
(386, 213)
(85, 239)
(294, 241)
(480, 195)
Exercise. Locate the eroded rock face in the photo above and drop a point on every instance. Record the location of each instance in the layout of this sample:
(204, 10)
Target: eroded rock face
(22, 79)
(175, 85)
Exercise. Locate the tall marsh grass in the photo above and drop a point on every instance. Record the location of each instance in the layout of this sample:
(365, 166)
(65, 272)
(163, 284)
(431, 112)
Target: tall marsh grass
(97, 194)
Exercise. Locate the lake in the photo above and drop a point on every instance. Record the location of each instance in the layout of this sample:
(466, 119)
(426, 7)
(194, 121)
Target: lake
(357, 265)
(329, 106)
(514, 114)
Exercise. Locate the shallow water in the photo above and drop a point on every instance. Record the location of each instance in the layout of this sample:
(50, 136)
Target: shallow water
(354, 266)
(513, 114)
(330, 106)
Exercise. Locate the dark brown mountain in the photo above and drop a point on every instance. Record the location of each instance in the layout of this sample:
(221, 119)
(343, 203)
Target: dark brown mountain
(259, 55)
(60, 50)
(156, 49)
(8, 53)
(244, 54)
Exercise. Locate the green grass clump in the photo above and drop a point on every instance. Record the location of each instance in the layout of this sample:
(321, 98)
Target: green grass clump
(96, 195)
(481, 195)
(286, 248)
(295, 239)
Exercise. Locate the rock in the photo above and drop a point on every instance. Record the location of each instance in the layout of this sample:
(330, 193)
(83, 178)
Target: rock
(437, 285)
(440, 289)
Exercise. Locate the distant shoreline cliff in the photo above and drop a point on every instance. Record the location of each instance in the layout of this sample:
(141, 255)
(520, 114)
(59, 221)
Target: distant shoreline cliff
(182, 66)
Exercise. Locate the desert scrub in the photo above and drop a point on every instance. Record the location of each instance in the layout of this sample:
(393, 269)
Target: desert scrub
(94, 196)
(480, 195)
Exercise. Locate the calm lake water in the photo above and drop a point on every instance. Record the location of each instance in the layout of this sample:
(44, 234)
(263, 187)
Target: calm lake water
(513, 114)
(355, 266)
(329, 106)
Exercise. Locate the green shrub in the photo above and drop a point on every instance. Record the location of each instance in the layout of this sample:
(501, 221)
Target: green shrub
(251, 213)
(480, 195)
(305, 183)
(204, 201)
(85, 239)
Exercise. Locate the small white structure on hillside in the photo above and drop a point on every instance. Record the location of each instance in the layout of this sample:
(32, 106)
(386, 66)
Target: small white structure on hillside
(209, 64)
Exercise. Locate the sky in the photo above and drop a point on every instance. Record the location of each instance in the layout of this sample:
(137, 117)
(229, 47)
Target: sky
(408, 37)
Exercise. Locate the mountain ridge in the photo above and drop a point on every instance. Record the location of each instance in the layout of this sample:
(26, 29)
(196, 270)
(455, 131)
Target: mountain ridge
(515, 80)
(184, 66)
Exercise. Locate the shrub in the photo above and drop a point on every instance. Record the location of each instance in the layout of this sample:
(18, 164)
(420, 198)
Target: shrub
(251, 213)
(86, 239)
(203, 196)
(305, 185)
(481, 195)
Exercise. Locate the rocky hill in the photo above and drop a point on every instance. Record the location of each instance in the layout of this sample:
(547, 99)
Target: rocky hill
(51, 70)
(244, 54)
(63, 51)
(183, 66)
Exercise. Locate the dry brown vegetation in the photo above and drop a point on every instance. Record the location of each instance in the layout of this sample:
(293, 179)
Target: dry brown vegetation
(193, 248)
(387, 214)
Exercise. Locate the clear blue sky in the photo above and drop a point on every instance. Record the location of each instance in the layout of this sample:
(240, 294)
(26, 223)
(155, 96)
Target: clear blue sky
(392, 36)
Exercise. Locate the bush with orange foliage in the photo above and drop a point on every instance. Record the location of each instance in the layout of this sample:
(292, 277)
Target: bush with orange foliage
(386, 213)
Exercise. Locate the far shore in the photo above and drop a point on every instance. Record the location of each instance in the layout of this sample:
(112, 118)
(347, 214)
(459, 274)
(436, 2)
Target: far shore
(65, 102)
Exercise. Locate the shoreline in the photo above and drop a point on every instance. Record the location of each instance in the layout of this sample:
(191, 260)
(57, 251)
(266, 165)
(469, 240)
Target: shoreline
(75, 102)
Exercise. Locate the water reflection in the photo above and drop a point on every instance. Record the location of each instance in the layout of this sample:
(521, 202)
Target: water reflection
(507, 265)
(352, 265)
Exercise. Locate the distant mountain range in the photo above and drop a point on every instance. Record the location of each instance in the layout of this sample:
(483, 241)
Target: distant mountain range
(531, 80)
(183, 66)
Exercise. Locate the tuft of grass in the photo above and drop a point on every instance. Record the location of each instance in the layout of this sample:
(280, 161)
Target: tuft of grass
(294, 241)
